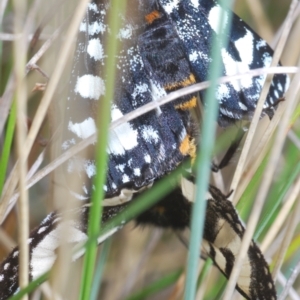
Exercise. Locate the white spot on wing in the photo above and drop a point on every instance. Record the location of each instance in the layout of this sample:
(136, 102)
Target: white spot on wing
(125, 33)
(267, 60)
(242, 106)
(214, 18)
(260, 43)
(42, 229)
(66, 144)
(93, 28)
(149, 134)
(222, 91)
(43, 255)
(83, 129)
(122, 138)
(95, 49)
(90, 168)
(157, 92)
(188, 189)
(137, 172)
(233, 67)
(89, 86)
(244, 46)
(169, 7)
(147, 158)
(125, 178)
(121, 167)
(139, 89)
(195, 3)
(93, 7)
(193, 56)
(199, 55)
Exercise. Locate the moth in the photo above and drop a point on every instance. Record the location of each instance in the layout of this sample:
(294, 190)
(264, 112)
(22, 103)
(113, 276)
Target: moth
(165, 45)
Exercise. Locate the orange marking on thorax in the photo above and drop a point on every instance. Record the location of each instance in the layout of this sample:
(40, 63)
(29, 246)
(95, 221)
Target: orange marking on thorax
(186, 82)
(187, 105)
(188, 147)
(150, 18)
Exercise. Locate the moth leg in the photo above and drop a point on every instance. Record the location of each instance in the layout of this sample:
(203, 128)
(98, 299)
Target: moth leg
(230, 152)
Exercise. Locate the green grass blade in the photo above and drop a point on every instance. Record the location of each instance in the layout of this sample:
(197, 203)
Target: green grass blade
(204, 272)
(277, 195)
(30, 287)
(101, 156)
(99, 269)
(7, 145)
(203, 164)
(245, 203)
(217, 291)
(141, 203)
(156, 286)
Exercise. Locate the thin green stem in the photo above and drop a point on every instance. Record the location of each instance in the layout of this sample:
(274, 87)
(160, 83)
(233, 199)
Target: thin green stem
(101, 156)
(99, 269)
(30, 287)
(204, 156)
(7, 145)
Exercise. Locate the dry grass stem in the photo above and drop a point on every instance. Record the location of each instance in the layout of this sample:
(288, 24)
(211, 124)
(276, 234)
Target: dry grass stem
(43, 49)
(6, 240)
(295, 15)
(45, 102)
(282, 216)
(289, 284)
(133, 276)
(257, 13)
(203, 287)
(266, 182)
(177, 292)
(10, 37)
(21, 98)
(268, 175)
(3, 5)
(294, 138)
(6, 100)
(31, 172)
(38, 69)
(259, 107)
(291, 292)
(259, 153)
(291, 226)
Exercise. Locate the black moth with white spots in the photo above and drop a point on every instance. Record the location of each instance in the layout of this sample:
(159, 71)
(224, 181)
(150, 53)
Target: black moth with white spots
(165, 45)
